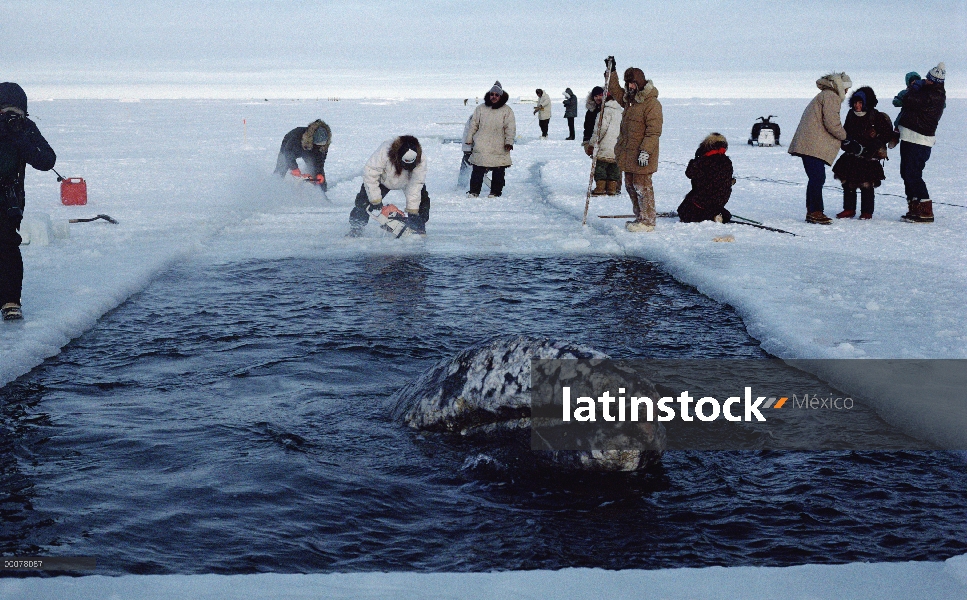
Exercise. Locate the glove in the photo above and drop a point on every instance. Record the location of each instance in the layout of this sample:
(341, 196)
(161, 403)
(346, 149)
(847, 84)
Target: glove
(589, 149)
(508, 147)
(296, 173)
(609, 63)
(377, 207)
(14, 215)
(851, 147)
(416, 223)
(643, 158)
(320, 179)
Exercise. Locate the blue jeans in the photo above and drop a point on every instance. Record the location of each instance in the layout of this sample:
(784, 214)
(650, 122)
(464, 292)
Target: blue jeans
(816, 172)
(913, 159)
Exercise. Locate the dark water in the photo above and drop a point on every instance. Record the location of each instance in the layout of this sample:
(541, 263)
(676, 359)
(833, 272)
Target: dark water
(232, 419)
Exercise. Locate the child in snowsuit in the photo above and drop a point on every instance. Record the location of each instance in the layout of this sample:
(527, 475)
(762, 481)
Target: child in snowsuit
(873, 130)
(712, 181)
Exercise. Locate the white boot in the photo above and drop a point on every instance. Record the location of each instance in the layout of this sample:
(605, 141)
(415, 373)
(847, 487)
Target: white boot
(639, 227)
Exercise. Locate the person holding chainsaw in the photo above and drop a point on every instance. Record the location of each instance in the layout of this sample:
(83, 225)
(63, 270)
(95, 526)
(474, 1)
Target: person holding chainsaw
(311, 144)
(398, 164)
(21, 144)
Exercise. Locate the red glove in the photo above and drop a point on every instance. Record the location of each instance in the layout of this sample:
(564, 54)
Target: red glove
(296, 173)
(320, 179)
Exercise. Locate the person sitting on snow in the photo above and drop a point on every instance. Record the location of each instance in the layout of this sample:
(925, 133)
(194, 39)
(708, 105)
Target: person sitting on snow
(398, 164)
(712, 181)
(311, 144)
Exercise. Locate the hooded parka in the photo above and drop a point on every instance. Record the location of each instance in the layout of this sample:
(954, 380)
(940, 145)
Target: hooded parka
(820, 129)
(492, 128)
(641, 123)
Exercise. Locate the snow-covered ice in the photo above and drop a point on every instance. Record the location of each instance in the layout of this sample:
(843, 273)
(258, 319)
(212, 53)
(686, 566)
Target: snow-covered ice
(880, 581)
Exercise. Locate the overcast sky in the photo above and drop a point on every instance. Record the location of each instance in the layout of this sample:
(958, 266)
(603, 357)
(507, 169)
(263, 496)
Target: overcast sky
(44, 41)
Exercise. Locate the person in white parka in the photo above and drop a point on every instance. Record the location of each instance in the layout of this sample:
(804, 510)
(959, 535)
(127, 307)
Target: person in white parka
(398, 164)
(490, 137)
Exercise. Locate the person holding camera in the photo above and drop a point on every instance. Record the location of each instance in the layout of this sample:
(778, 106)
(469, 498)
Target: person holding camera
(21, 144)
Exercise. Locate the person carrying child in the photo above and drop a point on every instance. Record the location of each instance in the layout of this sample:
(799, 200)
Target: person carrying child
(712, 181)
(863, 171)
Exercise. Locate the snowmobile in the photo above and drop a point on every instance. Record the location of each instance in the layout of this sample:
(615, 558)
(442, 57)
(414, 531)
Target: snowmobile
(765, 132)
(393, 220)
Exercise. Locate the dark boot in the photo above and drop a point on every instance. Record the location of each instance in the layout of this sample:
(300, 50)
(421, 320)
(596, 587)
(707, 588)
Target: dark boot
(912, 210)
(925, 214)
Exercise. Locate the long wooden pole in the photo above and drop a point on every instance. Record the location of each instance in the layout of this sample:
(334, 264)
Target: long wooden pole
(597, 144)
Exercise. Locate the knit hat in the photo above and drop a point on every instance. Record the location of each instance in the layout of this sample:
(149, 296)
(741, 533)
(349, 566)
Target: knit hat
(938, 73)
(597, 91)
(497, 89)
(911, 77)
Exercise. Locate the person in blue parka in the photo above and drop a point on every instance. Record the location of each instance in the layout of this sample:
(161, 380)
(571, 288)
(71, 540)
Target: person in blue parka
(21, 144)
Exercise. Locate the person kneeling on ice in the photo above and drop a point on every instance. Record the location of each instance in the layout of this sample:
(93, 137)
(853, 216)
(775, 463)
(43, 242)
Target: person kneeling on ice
(21, 144)
(398, 164)
(311, 144)
(862, 169)
(712, 181)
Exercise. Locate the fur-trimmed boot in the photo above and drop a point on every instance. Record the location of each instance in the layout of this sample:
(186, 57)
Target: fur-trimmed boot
(599, 188)
(613, 188)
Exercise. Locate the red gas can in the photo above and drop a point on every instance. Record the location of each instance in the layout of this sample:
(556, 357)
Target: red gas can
(73, 191)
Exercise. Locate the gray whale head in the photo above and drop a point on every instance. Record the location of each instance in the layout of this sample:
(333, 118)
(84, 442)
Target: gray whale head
(483, 394)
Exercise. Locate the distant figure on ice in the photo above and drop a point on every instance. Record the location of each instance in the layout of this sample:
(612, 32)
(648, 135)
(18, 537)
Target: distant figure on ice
(593, 105)
(570, 111)
(637, 148)
(21, 144)
(712, 181)
(543, 111)
(873, 130)
(922, 108)
(607, 175)
(311, 144)
(491, 138)
(818, 140)
(398, 164)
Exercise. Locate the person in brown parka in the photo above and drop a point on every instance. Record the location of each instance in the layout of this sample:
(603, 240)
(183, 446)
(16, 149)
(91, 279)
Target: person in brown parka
(636, 151)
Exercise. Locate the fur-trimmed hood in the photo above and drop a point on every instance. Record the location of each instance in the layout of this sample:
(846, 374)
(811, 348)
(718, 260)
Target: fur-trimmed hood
(404, 141)
(713, 141)
(835, 82)
(649, 90)
(869, 95)
(590, 104)
(504, 98)
(12, 94)
(311, 131)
